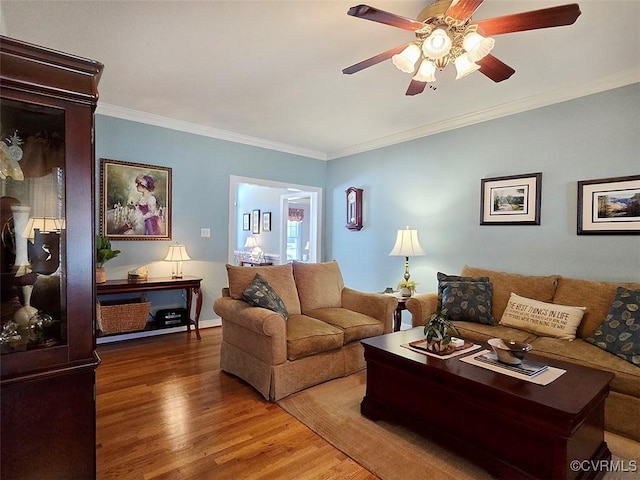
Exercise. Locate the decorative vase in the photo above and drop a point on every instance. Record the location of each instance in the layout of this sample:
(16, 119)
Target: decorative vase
(101, 275)
(405, 292)
(24, 313)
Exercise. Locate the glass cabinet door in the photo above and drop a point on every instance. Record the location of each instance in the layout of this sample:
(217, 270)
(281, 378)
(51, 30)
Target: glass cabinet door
(32, 219)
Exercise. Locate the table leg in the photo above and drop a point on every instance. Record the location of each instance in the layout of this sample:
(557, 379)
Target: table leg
(397, 319)
(196, 321)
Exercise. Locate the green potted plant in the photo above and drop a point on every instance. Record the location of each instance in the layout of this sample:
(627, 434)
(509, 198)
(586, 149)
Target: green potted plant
(104, 253)
(407, 288)
(438, 329)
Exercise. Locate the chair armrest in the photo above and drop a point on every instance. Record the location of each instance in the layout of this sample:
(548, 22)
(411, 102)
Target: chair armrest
(375, 305)
(260, 332)
(421, 306)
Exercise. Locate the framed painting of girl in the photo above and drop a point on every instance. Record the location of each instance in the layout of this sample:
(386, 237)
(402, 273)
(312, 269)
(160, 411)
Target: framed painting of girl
(135, 201)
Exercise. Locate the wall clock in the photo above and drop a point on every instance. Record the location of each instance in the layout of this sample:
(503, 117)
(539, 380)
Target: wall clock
(354, 208)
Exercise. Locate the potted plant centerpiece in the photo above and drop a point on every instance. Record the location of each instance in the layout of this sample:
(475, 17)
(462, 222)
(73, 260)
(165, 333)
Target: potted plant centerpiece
(104, 253)
(438, 329)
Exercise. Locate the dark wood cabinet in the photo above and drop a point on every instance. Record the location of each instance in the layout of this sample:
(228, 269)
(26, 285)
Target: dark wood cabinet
(47, 341)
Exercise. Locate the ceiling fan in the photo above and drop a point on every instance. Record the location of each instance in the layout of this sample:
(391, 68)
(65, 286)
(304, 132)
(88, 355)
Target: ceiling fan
(445, 34)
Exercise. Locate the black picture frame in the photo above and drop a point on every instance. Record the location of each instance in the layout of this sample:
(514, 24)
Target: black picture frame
(609, 206)
(511, 200)
(246, 222)
(266, 222)
(255, 221)
(354, 208)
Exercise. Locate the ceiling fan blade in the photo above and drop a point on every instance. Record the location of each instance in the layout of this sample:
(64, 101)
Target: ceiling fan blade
(416, 88)
(463, 9)
(495, 69)
(369, 62)
(520, 22)
(380, 16)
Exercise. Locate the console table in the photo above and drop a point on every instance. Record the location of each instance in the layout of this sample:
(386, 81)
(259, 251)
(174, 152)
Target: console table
(190, 284)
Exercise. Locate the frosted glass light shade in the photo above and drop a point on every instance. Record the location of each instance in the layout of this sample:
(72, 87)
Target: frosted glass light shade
(464, 66)
(477, 46)
(437, 45)
(407, 244)
(406, 60)
(426, 72)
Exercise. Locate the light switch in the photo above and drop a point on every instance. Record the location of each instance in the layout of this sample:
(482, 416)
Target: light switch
(205, 232)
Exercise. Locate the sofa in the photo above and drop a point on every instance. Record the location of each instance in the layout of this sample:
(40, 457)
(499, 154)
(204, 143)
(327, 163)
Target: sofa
(622, 406)
(317, 341)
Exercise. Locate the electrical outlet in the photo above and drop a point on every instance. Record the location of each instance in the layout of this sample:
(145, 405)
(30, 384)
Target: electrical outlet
(205, 232)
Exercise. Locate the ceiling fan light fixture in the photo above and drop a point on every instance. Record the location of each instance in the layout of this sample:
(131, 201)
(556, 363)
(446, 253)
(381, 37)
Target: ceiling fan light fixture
(464, 66)
(406, 60)
(437, 45)
(426, 72)
(477, 46)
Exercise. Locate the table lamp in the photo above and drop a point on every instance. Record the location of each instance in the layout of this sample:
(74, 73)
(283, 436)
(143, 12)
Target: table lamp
(177, 254)
(251, 243)
(407, 245)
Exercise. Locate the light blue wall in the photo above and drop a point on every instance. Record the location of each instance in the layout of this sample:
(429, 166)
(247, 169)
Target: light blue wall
(433, 184)
(201, 167)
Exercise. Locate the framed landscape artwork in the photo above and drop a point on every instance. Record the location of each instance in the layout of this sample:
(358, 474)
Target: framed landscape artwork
(609, 206)
(135, 201)
(512, 200)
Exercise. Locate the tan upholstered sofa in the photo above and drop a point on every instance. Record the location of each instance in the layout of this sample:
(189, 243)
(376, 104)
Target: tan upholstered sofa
(623, 404)
(319, 340)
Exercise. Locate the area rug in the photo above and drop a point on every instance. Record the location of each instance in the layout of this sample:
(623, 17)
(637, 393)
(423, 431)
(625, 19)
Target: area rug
(332, 410)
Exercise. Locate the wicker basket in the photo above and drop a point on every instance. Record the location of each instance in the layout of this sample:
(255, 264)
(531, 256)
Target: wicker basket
(122, 316)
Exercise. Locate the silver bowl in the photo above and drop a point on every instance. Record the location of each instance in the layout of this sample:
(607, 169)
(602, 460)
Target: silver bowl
(509, 351)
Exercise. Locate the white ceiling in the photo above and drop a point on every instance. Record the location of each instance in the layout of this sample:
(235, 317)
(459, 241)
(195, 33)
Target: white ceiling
(268, 73)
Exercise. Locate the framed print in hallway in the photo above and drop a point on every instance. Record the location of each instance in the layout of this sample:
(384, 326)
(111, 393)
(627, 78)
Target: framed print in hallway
(246, 221)
(135, 201)
(609, 206)
(255, 221)
(266, 222)
(511, 200)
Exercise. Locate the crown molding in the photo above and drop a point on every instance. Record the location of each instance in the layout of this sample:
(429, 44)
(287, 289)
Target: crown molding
(620, 79)
(559, 95)
(188, 127)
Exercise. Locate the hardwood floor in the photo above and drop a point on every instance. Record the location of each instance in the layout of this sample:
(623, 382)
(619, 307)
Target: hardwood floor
(166, 411)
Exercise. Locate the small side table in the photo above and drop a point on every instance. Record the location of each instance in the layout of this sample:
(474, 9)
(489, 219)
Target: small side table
(397, 313)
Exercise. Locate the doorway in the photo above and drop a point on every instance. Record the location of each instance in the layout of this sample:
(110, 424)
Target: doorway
(295, 211)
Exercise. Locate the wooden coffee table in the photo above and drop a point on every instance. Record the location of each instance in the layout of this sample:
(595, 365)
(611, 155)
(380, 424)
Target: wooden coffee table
(511, 427)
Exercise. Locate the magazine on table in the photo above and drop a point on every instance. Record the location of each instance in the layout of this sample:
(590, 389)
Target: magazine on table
(527, 367)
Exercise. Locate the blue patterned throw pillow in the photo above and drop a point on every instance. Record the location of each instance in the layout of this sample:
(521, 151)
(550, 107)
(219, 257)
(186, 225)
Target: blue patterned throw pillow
(468, 301)
(444, 279)
(619, 333)
(260, 294)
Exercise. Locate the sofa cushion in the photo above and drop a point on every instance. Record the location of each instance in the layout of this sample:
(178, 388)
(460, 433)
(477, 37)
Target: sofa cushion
(596, 296)
(355, 325)
(280, 277)
(535, 287)
(444, 279)
(260, 294)
(627, 376)
(307, 336)
(319, 285)
(470, 301)
(620, 332)
(478, 332)
(548, 319)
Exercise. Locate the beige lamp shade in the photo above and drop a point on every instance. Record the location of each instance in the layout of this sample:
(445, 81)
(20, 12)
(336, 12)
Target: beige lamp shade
(44, 224)
(407, 244)
(177, 254)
